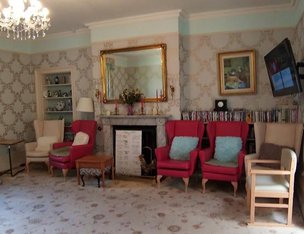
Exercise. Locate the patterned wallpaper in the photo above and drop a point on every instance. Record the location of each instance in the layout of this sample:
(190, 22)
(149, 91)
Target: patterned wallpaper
(199, 83)
(17, 90)
(191, 65)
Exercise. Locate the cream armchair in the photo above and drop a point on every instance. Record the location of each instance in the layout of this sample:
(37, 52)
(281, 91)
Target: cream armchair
(283, 134)
(47, 132)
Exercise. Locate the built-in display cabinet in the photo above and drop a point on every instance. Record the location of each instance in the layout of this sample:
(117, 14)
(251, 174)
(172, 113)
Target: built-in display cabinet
(55, 96)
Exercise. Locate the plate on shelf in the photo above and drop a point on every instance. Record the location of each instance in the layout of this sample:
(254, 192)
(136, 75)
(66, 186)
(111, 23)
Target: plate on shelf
(45, 93)
(60, 106)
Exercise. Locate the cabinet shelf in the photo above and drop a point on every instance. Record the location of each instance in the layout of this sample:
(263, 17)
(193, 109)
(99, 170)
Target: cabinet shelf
(56, 112)
(56, 98)
(57, 85)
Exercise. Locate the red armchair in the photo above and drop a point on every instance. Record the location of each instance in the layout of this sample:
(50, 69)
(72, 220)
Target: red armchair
(179, 168)
(64, 154)
(214, 169)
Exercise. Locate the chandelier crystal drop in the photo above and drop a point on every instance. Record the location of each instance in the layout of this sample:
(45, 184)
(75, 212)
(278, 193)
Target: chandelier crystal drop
(24, 19)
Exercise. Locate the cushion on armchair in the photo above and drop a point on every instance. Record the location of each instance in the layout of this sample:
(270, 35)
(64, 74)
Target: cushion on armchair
(81, 138)
(182, 146)
(269, 151)
(227, 148)
(61, 152)
(45, 143)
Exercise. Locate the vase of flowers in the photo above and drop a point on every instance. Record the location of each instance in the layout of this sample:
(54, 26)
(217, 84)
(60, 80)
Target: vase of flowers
(129, 96)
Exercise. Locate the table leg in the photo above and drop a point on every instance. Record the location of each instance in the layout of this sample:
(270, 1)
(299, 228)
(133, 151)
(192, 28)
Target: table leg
(78, 179)
(10, 159)
(83, 184)
(103, 179)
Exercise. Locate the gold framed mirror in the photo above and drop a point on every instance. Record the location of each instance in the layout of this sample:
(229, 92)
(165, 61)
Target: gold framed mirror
(142, 67)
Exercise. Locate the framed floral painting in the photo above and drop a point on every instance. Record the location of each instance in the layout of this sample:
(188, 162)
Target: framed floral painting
(236, 72)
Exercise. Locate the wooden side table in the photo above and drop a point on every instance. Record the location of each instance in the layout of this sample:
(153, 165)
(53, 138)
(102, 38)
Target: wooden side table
(100, 162)
(9, 143)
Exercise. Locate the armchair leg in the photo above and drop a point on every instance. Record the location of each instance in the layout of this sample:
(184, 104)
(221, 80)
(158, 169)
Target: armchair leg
(158, 177)
(48, 166)
(51, 170)
(235, 186)
(27, 166)
(186, 181)
(204, 181)
(65, 172)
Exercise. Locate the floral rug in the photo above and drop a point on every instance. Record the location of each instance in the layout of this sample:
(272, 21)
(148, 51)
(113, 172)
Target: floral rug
(39, 203)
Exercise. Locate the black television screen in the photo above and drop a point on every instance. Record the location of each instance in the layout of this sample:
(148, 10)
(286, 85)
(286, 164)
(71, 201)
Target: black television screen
(282, 70)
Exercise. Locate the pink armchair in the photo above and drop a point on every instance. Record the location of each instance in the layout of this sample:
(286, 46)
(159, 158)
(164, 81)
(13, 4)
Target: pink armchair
(65, 154)
(221, 170)
(173, 167)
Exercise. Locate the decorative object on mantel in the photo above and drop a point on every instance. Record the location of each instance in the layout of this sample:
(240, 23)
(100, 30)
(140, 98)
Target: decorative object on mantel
(172, 90)
(130, 96)
(24, 19)
(142, 105)
(116, 107)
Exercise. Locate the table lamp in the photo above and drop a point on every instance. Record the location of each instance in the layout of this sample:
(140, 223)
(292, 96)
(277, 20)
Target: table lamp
(85, 104)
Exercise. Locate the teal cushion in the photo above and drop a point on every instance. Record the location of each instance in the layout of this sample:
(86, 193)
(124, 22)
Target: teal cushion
(182, 146)
(227, 148)
(61, 152)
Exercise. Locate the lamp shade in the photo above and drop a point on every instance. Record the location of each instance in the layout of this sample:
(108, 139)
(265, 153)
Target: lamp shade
(85, 104)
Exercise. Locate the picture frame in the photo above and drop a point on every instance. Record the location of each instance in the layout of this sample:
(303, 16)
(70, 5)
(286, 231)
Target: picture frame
(236, 72)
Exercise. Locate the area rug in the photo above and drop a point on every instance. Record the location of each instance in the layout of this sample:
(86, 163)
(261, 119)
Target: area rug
(39, 203)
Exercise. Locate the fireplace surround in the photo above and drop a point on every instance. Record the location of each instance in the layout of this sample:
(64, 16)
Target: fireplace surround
(108, 122)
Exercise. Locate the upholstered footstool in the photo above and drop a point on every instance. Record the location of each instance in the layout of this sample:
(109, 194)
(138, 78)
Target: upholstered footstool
(97, 173)
(94, 165)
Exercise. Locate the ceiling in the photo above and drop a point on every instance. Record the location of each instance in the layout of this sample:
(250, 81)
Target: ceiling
(71, 15)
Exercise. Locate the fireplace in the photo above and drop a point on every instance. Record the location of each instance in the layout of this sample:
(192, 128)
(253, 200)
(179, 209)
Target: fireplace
(153, 126)
(145, 159)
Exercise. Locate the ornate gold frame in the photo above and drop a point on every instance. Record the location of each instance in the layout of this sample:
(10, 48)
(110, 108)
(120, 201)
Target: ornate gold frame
(104, 53)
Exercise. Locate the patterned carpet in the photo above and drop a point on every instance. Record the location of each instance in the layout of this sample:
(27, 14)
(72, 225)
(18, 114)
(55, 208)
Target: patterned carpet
(38, 203)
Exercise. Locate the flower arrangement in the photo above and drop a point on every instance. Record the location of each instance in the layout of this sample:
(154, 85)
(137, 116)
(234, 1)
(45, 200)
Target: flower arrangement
(129, 96)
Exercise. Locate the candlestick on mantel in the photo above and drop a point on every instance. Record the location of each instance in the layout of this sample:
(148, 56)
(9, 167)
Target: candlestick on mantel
(142, 102)
(116, 107)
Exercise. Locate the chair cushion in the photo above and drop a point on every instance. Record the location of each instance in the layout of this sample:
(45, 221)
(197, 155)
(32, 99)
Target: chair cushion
(227, 148)
(174, 164)
(220, 169)
(269, 151)
(61, 152)
(81, 138)
(216, 162)
(182, 146)
(45, 143)
(270, 183)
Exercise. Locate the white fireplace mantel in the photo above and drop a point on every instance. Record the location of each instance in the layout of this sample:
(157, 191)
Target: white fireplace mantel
(108, 121)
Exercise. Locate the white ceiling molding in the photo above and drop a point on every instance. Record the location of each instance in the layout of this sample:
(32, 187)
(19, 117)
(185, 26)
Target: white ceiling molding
(243, 11)
(137, 18)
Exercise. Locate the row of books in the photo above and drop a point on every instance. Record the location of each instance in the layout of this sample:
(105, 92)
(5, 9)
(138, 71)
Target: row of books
(288, 115)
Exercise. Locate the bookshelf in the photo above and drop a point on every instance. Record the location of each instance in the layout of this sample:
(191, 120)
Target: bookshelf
(288, 115)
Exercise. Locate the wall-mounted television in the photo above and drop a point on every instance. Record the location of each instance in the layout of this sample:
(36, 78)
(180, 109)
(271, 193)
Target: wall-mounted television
(282, 70)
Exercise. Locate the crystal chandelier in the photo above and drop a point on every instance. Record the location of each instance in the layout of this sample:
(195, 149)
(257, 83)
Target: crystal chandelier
(24, 19)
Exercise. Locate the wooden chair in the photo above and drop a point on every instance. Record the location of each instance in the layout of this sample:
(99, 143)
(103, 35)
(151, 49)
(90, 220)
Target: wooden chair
(281, 134)
(271, 183)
